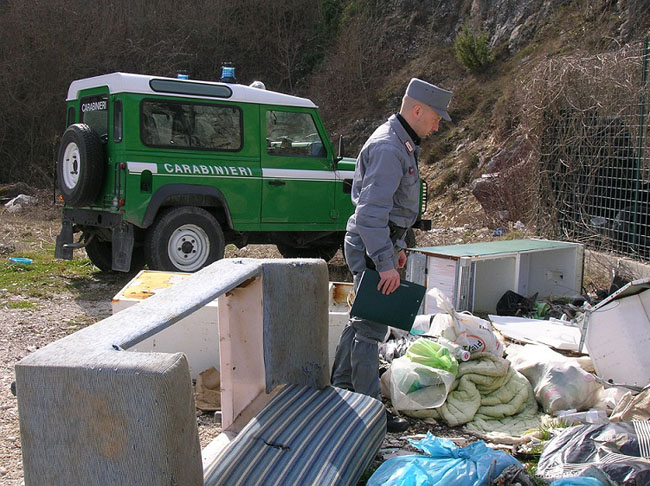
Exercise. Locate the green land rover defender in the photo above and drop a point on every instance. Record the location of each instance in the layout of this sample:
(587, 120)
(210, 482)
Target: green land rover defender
(167, 171)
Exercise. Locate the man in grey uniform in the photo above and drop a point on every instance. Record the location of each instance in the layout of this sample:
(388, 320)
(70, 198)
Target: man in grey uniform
(386, 196)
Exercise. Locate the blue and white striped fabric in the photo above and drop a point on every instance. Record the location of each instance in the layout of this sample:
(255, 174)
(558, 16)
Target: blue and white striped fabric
(304, 437)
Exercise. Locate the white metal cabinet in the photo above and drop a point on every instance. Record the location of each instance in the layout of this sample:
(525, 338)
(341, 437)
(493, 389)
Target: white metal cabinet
(476, 275)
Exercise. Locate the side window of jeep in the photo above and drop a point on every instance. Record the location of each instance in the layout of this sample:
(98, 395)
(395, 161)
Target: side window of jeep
(175, 124)
(292, 134)
(94, 113)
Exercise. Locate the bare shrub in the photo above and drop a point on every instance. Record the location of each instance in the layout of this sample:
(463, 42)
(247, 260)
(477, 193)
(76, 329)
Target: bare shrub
(364, 55)
(584, 117)
(46, 45)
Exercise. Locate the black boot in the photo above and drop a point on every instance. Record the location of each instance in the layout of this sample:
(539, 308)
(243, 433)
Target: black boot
(395, 424)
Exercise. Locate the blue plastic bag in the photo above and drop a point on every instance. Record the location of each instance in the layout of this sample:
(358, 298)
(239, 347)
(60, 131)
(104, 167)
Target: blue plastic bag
(26, 261)
(444, 465)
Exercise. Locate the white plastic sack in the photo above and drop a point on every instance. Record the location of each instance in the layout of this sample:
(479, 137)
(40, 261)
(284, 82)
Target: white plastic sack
(559, 382)
(18, 202)
(609, 398)
(472, 333)
(414, 386)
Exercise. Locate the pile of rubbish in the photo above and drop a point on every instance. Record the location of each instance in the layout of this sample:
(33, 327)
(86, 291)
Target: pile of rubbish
(571, 380)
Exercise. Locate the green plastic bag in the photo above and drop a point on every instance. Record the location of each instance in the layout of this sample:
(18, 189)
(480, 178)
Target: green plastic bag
(432, 354)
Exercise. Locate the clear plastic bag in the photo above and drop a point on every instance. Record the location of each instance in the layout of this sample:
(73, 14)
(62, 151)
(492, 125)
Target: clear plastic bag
(559, 382)
(422, 378)
(616, 451)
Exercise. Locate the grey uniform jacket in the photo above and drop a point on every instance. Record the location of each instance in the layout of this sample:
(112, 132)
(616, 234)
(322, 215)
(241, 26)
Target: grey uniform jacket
(386, 187)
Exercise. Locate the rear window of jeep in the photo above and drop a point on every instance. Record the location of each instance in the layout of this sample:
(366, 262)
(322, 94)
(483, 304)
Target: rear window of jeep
(177, 124)
(94, 113)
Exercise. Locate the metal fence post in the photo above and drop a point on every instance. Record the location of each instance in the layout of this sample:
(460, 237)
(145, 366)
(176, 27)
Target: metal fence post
(641, 141)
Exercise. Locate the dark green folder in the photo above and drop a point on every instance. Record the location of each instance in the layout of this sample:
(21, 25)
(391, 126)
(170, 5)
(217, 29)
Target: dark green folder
(397, 309)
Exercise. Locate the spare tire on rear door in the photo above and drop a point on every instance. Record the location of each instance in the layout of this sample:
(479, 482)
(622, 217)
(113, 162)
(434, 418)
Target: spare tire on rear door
(80, 165)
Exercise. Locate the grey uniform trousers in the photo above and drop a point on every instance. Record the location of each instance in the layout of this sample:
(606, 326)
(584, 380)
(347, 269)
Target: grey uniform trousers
(356, 363)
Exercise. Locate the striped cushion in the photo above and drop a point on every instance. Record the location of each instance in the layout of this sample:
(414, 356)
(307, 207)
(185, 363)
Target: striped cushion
(304, 437)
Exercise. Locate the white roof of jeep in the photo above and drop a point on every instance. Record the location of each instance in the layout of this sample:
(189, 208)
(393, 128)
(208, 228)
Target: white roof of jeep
(139, 83)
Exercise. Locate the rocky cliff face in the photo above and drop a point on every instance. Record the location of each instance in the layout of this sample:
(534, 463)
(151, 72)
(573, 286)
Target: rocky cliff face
(513, 23)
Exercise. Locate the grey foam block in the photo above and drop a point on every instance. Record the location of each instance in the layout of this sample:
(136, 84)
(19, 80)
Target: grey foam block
(296, 323)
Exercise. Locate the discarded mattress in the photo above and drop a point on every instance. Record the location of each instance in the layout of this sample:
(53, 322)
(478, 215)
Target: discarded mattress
(304, 436)
(491, 395)
(620, 450)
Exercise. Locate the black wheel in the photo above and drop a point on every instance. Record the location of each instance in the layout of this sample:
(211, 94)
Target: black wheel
(101, 254)
(326, 252)
(80, 165)
(183, 239)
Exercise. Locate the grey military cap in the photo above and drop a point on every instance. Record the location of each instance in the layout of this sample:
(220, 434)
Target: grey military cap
(427, 93)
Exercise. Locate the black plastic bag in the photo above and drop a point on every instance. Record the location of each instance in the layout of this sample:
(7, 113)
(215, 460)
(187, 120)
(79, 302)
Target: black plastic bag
(620, 450)
(513, 304)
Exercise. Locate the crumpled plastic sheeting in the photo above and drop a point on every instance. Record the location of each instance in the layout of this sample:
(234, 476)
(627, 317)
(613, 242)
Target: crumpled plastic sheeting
(620, 450)
(579, 481)
(592, 476)
(395, 348)
(17, 203)
(444, 464)
(633, 407)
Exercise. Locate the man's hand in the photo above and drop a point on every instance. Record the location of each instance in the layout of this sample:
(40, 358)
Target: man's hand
(389, 281)
(401, 259)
